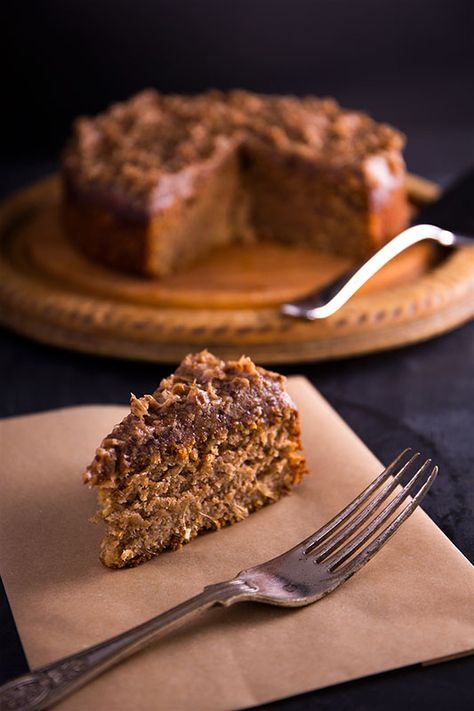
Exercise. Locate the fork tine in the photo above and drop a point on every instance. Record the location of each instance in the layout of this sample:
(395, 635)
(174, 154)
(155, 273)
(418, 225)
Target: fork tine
(333, 542)
(372, 548)
(377, 522)
(320, 535)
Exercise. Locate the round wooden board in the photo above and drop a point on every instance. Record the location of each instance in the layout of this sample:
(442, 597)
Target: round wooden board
(228, 302)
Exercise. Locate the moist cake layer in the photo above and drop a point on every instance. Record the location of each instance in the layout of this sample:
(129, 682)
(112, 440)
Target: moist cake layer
(304, 170)
(216, 441)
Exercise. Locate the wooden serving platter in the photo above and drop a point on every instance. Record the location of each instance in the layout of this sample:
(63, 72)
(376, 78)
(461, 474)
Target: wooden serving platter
(228, 302)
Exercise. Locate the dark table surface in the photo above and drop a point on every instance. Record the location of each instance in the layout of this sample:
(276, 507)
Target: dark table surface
(420, 396)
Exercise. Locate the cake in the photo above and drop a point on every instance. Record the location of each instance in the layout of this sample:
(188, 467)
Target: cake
(216, 441)
(158, 181)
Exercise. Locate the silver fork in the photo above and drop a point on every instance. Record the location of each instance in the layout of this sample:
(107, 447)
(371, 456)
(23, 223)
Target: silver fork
(326, 301)
(302, 575)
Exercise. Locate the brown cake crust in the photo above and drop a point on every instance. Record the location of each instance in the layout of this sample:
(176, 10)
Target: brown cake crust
(143, 181)
(216, 441)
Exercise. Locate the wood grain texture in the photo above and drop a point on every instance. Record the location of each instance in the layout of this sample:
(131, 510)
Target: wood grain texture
(227, 302)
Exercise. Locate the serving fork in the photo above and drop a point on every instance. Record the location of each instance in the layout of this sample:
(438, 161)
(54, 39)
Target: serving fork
(326, 301)
(304, 574)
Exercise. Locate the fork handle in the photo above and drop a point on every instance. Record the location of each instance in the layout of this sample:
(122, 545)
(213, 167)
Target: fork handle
(46, 686)
(325, 302)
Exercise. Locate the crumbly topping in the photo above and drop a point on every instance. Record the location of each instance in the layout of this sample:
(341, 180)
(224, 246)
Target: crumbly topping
(204, 397)
(133, 144)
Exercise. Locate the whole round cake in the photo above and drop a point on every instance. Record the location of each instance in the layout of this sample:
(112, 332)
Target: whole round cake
(159, 180)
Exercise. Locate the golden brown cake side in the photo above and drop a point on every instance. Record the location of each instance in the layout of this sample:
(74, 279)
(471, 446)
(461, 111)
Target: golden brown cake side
(155, 182)
(189, 222)
(216, 441)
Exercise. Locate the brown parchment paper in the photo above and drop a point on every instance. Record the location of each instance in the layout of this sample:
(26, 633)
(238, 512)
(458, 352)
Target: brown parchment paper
(412, 603)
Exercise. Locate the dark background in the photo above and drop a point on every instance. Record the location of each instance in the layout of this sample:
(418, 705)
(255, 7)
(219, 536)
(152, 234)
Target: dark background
(408, 62)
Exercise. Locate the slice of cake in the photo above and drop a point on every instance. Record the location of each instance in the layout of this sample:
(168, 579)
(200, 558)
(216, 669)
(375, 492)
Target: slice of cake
(216, 441)
(159, 180)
